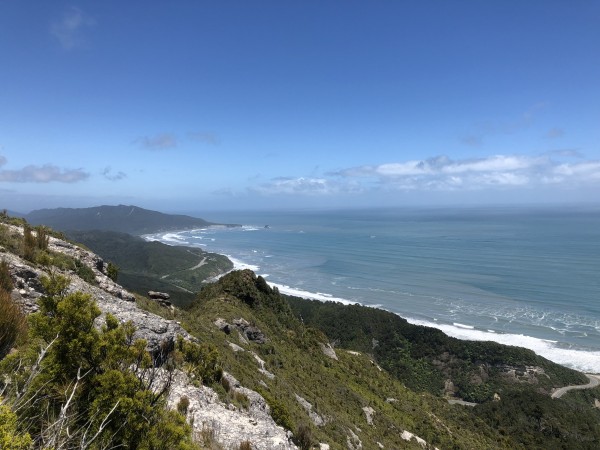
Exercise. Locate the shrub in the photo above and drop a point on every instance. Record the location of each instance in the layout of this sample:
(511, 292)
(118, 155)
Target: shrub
(6, 283)
(245, 445)
(279, 412)
(183, 405)
(29, 244)
(10, 439)
(13, 324)
(202, 361)
(42, 237)
(303, 437)
(112, 271)
(84, 272)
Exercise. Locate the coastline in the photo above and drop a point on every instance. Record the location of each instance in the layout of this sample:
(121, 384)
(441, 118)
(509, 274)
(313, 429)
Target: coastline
(542, 347)
(587, 361)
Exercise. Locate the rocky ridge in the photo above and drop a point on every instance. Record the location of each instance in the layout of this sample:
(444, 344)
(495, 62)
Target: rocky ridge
(229, 424)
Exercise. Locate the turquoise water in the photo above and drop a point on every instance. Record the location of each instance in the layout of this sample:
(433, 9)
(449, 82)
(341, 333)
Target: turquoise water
(516, 276)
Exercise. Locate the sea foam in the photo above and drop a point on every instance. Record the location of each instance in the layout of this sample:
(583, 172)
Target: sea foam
(584, 361)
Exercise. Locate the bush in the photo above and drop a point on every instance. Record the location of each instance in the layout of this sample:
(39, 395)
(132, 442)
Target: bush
(10, 439)
(6, 283)
(183, 405)
(29, 244)
(279, 412)
(13, 323)
(303, 437)
(202, 361)
(84, 272)
(112, 271)
(85, 378)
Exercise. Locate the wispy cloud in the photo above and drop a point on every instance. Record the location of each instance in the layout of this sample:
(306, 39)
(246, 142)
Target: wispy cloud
(555, 133)
(301, 185)
(481, 131)
(163, 141)
(311, 186)
(111, 176)
(70, 28)
(47, 173)
(205, 137)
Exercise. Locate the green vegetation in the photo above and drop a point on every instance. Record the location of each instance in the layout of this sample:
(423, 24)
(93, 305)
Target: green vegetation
(425, 358)
(145, 266)
(338, 390)
(13, 324)
(73, 385)
(32, 245)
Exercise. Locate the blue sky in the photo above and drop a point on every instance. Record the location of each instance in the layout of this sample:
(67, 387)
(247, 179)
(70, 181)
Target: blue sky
(205, 105)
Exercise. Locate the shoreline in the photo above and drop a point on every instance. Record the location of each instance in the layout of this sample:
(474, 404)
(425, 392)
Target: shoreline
(581, 360)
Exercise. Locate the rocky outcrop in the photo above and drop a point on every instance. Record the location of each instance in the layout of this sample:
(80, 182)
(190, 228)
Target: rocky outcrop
(158, 295)
(159, 333)
(249, 332)
(230, 424)
(308, 407)
(328, 351)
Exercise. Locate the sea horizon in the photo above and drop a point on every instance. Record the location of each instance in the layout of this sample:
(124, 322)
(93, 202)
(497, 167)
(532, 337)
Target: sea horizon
(513, 275)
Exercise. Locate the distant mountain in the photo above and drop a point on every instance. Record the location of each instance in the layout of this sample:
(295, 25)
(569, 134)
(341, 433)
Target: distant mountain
(122, 218)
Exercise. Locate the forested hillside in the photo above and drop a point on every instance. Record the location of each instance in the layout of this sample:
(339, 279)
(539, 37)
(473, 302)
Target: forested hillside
(179, 271)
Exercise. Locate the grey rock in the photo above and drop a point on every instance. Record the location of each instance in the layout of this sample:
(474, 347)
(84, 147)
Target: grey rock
(231, 425)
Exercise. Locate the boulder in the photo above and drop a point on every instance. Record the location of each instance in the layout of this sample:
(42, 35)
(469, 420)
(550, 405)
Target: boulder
(158, 295)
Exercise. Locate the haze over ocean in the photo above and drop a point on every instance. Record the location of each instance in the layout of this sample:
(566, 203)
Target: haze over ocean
(527, 277)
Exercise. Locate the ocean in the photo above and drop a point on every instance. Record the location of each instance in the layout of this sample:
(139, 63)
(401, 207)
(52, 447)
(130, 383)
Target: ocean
(519, 276)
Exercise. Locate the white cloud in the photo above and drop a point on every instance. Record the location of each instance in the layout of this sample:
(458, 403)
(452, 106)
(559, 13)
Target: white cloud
(43, 174)
(497, 171)
(491, 164)
(301, 185)
(70, 29)
(585, 171)
(440, 174)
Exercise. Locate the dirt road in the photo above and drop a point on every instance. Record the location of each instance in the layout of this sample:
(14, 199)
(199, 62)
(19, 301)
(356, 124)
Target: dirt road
(594, 381)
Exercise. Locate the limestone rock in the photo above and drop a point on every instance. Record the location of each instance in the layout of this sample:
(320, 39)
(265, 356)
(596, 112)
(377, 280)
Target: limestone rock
(328, 350)
(308, 407)
(231, 426)
(247, 332)
(158, 295)
(251, 332)
(369, 413)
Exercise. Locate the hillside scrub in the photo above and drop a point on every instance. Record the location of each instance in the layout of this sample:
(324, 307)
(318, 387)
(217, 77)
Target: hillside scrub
(424, 358)
(74, 384)
(336, 390)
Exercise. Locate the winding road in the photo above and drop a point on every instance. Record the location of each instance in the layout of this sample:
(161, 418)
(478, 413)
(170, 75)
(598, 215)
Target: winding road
(594, 381)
